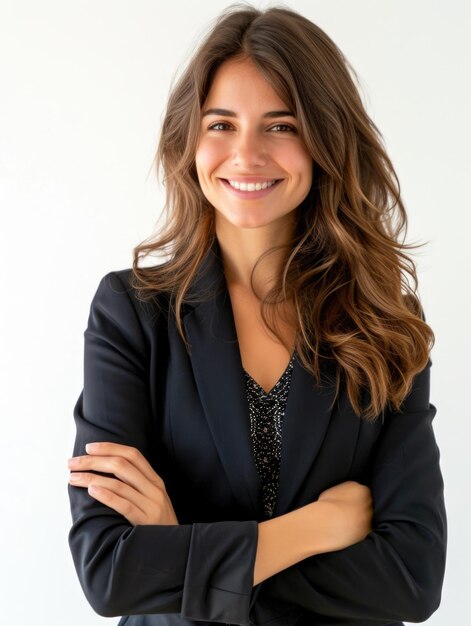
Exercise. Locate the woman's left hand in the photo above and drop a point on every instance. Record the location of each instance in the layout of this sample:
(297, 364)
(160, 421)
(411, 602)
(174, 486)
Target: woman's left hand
(138, 492)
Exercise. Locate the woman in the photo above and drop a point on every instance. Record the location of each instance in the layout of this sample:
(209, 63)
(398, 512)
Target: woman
(254, 436)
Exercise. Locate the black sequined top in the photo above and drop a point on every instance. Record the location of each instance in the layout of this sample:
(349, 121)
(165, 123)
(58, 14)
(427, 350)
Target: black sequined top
(266, 411)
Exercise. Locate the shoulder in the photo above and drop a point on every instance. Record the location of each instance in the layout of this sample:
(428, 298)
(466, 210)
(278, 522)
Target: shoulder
(119, 281)
(116, 292)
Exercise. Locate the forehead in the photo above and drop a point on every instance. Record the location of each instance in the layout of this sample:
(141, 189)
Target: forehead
(241, 82)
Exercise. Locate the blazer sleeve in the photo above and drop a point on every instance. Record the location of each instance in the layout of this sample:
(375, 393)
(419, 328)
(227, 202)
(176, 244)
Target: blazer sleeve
(396, 572)
(203, 570)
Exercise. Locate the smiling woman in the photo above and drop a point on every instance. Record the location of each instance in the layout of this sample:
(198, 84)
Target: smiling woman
(261, 451)
(252, 143)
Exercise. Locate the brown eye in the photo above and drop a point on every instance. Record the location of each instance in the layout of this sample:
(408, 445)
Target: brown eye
(291, 128)
(213, 126)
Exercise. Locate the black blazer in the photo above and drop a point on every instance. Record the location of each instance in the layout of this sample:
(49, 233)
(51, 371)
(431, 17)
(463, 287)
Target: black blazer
(189, 416)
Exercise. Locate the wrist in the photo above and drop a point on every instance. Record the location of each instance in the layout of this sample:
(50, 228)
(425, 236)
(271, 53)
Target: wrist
(321, 537)
(292, 537)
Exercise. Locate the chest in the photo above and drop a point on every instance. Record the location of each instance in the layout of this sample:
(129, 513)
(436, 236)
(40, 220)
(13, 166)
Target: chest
(263, 357)
(202, 444)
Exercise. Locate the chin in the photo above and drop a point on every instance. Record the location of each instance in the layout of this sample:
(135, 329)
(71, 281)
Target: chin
(248, 221)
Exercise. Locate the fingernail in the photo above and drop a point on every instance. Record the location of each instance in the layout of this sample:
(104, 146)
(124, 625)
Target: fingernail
(74, 476)
(91, 447)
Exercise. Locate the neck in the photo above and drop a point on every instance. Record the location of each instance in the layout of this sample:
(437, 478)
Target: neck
(241, 248)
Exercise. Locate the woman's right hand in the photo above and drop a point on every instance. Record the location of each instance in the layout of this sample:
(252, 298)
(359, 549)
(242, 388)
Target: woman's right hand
(348, 508)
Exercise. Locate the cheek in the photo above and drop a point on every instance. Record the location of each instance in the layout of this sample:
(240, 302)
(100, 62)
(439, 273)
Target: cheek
(296, 160)
(303, 163)
(208, 155)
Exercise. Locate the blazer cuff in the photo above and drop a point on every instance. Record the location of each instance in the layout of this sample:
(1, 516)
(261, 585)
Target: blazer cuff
(219, 573)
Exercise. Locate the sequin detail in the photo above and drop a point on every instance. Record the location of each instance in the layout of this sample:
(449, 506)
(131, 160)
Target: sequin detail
(266, 411)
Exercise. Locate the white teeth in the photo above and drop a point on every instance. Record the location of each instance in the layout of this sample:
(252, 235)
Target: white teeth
(251, 186)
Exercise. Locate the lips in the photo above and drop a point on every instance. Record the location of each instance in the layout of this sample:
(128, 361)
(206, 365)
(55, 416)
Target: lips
(251, 186)
(252, 179)
(251, 195)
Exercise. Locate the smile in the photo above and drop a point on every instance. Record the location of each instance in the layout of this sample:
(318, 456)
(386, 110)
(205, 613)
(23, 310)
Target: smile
(249, 191)
(251, 186)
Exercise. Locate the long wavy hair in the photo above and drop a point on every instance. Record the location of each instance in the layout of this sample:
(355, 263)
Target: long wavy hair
(352, 284)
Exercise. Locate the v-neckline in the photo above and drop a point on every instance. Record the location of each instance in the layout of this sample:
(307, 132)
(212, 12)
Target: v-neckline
(268, 393)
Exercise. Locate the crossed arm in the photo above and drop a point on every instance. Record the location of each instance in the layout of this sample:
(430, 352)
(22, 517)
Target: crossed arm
(137, 492)
(208, 571)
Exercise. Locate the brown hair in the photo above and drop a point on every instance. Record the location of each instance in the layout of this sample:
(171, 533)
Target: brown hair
(346, 270)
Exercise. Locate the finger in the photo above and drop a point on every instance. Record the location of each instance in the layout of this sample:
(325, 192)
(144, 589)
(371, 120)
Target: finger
(132, 454)
(124, 491)
(126, 508)
(120, 467)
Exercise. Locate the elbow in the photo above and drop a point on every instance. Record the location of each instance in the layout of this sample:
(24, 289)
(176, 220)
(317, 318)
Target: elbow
(117, 596)
(99, 583)
(409, 604)
(110, 596)
(412, 587)
(116, 582)
(101, 597)
(426, 598)
(423, 575)
(423, 606)
(104, 609)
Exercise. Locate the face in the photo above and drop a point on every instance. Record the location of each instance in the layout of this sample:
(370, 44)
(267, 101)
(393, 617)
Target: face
(250, 146)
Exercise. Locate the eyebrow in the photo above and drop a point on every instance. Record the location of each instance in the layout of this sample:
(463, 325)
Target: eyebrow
(228, 113)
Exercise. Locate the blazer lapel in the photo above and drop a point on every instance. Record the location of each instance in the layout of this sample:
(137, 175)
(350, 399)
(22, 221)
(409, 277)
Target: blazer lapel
(305, 422)
(217, 367)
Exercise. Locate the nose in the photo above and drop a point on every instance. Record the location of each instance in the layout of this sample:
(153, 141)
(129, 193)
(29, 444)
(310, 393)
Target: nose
(248, 151)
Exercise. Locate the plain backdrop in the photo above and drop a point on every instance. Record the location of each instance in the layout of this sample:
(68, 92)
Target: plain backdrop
(83, 86)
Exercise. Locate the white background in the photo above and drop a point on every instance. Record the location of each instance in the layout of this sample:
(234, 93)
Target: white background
(83, 87)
